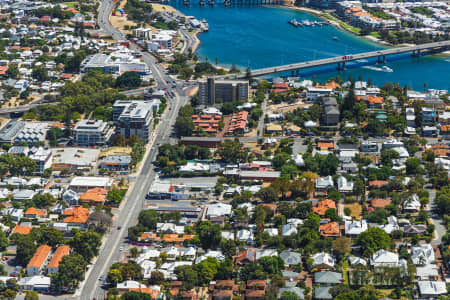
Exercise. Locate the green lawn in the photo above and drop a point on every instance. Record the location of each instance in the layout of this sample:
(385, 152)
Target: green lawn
(70, 4)
(343, 24)
(375, 35)
(344, 271)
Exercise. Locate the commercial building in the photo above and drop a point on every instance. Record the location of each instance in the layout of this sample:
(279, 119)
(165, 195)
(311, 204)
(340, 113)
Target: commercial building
(32, 132)
(82, 184)
(117, 163)
(117, 62)
(134, 117)
(43, 158)
(75, 159)
(226, 90)
(92, 132)
(206, 142)
(143, 33)
(10, 131)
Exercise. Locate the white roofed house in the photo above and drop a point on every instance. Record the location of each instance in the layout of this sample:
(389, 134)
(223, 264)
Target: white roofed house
(323, 260)
(355, 260)
(383, 258)
(169, 228)
(298, 159)
(218, 210)
(189, 253)
(213, 254)
(391, 226)
(422, 255)
(227, 235)
(260, 253)
(324, 183)
(245, 235)
(432, 289)
(344, 185)
(427, 272)
(172, 253)
(70, 197)
(289, 229)
(271, 231)
(354, 227)
(412, 204)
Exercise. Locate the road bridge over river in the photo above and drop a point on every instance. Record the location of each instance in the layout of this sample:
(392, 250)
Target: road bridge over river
(340, 61)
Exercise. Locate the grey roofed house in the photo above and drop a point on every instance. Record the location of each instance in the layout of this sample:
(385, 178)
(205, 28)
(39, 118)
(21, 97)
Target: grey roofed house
(331, 115)
(328, 277)
(24, 194)
(414, 229)
(322, 292)
(327, 101)
(296, 290)
(290, 275)
(291, 258)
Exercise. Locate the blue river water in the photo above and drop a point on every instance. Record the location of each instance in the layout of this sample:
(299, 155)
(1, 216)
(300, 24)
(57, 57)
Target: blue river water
(261, 37)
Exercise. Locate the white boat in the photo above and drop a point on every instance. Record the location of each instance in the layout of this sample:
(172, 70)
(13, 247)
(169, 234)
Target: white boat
(372, 68)
(387, 69)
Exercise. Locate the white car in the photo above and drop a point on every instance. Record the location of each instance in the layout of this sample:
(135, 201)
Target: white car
(121, 249)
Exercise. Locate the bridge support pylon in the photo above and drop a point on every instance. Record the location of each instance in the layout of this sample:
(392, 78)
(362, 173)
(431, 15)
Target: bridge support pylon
(341, 66)
(381, 59)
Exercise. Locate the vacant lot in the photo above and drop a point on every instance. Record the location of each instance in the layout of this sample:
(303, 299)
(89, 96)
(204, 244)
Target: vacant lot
(355, 208)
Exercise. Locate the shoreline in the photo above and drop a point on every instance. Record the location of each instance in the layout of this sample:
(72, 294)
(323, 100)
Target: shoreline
(320, 14)
(197, 41)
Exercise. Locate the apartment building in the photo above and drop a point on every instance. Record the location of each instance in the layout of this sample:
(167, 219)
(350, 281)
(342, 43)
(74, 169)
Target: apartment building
(134, 117)
(59, 254)
(226, 90)
(92, 132)
(39, 260)
(428, 115)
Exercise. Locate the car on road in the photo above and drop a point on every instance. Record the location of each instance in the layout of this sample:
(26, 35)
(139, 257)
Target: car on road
(119, 227)
(100, 278)
(121, 249)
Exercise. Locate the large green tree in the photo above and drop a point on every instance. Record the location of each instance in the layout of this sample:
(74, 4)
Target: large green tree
(232, 151)
(209, 234)
(373, 240)
(25, 249)
(130, 80)
(86, 244)
(70, 272)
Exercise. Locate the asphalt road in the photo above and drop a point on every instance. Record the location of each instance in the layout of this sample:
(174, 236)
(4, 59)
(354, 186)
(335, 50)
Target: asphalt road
(135, 198)
(439, 228)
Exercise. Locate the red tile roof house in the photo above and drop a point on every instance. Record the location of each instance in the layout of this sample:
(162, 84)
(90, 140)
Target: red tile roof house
(280, 87)
(59, 254)
(377, 183)
(39, 260)
(256, 289)
(238, 122)
(380, 202)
